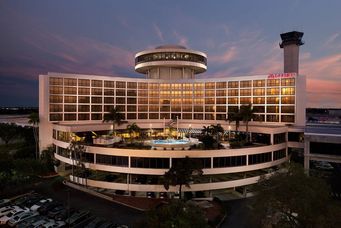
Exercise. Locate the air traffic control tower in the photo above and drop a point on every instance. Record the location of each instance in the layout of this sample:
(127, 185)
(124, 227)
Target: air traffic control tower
(290, 43)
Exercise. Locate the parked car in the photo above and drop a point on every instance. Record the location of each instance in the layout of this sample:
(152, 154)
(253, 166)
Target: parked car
(106, 225)
(54, 211)
(28, 222)
(40, 203)
(76, 218)
(95, 223)
(4, 219)
(21, 217)
(4, 202)
(44, 209)
(53, 224)
(39, 223)
(7, 209)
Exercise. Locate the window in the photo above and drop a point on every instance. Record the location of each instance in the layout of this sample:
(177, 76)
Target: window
(221, 85)
(245, 100)
(233, 92)
(233, 84)
(221, 108)
(70, 99)
(272, 118)
(258, 100)
(56, 90)
(258, 83)
(288, 91)
(112, 160)
(83, 108)
(70, 108)
(96, 83)
(273, 82)
(56, 108)
(56, 117)
(83, 116)
(258, 92)
(132, 93)
(288, 82)
(272, 109)
(272, 100)
(96, 100)
(96, 116)
(70, 90)
(149, 163)
(143, 85)
(233, 100)
(244, 84)
(288, 109)
(69, 117)
(221, 93)
(70, 82)
(279, 138)
(209, 85)
(278, 154)
(132, 85)
(56, 81)
(259, 109)
(96, 108)
(288, 118)
(56, 99)
(83, 82)
(259, 158)
(220, 162)
(120, 92)
(83, 91)
(272, 91)
(245, 92)
(83, 99)
(96, 91)
(288, 100)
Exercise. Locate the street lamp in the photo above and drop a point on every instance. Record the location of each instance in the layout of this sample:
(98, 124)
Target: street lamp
(229, 132)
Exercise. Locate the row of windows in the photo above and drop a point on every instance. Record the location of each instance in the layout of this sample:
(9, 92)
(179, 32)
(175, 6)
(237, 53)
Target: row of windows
(163, 163)
(167, 56)
(168, 93)
(179, 101)
(72, 82)
(187, 116)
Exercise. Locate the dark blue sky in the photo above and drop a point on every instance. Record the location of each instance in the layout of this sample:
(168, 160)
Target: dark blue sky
(101, 37)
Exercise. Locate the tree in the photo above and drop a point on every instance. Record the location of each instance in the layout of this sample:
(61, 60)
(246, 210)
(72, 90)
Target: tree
(114, 116)
(235, 117)
(293, 199)
(76, 153)
(182, 173)
(8, 132)
(206, 130)
(34, 121)
(216, 130)
(133, 128)
(176, 214)
(247, 113)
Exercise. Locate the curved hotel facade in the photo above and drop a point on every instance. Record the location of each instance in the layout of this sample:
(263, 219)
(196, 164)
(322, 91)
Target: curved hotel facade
(73, 105)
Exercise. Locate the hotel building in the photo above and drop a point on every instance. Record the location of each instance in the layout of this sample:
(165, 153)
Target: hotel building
(73, 105)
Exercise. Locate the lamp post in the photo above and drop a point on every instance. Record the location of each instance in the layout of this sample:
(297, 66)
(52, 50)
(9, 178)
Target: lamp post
(229, 132)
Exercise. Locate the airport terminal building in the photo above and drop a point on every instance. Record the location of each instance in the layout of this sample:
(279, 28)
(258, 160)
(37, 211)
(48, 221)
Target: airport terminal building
(72, 106)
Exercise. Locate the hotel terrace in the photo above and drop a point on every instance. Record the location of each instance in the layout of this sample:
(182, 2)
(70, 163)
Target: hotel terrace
(72, 107)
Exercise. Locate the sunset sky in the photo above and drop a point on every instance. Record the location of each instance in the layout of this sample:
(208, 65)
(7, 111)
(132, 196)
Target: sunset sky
(101, 37)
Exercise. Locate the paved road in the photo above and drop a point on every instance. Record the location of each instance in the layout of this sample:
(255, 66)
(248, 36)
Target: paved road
(114, 212)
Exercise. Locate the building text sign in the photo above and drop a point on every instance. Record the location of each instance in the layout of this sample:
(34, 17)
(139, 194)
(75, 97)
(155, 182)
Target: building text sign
(281, 75)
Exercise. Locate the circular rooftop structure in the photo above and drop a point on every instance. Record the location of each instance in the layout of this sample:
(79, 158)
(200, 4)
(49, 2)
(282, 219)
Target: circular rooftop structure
(170, 62)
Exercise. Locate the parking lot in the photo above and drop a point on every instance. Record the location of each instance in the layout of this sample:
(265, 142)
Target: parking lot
(88, 207)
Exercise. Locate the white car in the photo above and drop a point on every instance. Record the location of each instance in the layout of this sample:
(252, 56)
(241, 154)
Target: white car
(4, 202)
(39, 204)
(6, 210)
(21, 217)
(4, 219)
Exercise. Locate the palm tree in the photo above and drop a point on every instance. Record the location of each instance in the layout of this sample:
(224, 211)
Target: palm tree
(182, 173)
(247, 113)
(216, 130)
(114, 116)
(206, 130)
(133, 128)
(34, 121)
(235, 117)
(76, 153)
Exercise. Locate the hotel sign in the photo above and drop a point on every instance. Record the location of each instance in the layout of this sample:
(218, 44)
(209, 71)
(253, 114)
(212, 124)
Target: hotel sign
(281, 75)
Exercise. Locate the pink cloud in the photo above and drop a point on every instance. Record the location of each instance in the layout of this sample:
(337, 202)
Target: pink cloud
(182, 40)
(229, 55)
(158, 32)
